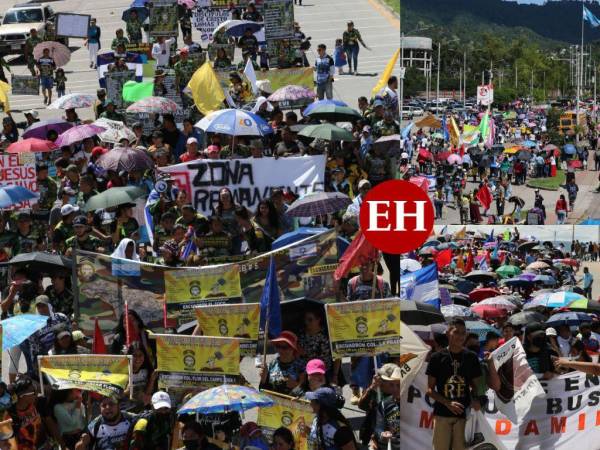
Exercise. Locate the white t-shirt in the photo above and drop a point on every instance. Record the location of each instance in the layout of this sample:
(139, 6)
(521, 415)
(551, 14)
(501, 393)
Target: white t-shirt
(162, 52)
(564, 345)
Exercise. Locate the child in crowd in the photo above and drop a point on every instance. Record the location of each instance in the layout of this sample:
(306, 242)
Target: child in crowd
(339, 57)
(60, 79)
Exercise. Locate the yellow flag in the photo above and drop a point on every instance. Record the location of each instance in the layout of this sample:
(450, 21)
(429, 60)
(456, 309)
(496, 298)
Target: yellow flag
(4, 88)
(206, 89)
(460, 234)
(454, 133)
(387, 73)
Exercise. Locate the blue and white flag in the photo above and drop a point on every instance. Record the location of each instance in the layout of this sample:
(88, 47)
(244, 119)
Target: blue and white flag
(591, 18)
(421, 286)
(134, 61)
(125, 268)
(406, 131)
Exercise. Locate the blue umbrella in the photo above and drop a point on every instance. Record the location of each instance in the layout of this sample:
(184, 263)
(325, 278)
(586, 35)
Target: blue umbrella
(571, 319)
(11, 195)
(237, 28)
(517, 282)
(480, 328)
(225, 398)
(18, 328)
(545, 279)
(318, 103)
(570, 149)
(528, 143)
(140, 10)
(295, 236)
(235, 122)
(138, 3)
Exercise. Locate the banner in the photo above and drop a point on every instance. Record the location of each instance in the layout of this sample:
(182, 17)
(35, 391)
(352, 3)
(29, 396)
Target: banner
(163, 18)
(292, 413)
(566, 419)
(485, 94)
(24, 85)
(104, 374)
(213, 48)
(364, 328)
(206, 20)
(114, 86)
(413, 352)
(301, 76)
(250, 180)
(18, 169)
(72, 25)
(192, 360)
(235, 320)
(279, 19)
(283, 52)
(421, 285)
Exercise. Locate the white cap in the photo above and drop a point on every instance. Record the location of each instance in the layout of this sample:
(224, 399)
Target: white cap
(67, 209)
(161, 399)
(192, 140)
(33, 113)
(550, 332)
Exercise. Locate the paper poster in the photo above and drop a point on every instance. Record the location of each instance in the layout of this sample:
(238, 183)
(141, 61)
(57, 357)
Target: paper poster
(279, 19)
(284, 53)
(18, 169)
(163, 18)
(293, 413)
(205, 20)
(114, 86)
(213, 48)
(24, 85)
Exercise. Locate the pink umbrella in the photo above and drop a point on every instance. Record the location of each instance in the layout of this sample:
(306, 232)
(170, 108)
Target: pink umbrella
(454, 159)
(422, 182)
(189, 4)
(60, 53)
(78, 134)
(291, 92)
(31, 145)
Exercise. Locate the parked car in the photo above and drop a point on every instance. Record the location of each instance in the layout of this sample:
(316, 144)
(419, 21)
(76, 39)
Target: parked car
(407, 112)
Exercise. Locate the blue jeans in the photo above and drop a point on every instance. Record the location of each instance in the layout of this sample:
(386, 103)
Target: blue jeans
(352, 55)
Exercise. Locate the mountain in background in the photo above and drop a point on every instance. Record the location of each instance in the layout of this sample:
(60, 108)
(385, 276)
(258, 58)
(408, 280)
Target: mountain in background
(547, 25)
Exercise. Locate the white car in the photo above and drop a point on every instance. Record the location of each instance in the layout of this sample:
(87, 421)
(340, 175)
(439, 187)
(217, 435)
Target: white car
(18, 22)
(407, 112)
(417, 110)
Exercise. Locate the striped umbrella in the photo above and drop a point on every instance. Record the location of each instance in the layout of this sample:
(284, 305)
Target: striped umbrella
(291, 92)
(78, 134)
(225, 398)
(318, 203)
(153, 105)
(553, 299)
(73, 101)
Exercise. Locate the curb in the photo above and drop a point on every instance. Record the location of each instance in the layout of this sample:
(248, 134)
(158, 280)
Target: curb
(541, 188)
(389, 8)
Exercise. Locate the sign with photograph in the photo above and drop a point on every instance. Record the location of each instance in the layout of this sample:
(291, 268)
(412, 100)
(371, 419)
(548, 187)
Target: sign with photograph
(279, 19)
(114, 86)
(163, 18)
(485, 94)
(206, 20)
(25, 85)
(72, 25)
(213, 49)
(283, 53)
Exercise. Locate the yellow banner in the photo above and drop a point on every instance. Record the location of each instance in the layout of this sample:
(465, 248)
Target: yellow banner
(235, 320)
(294, 414)
(196, 359)
(364, 328)
(104, 374)
(189, 285)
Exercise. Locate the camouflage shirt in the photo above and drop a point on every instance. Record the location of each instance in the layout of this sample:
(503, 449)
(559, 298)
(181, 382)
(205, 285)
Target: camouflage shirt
(30, 44)
(161, 235)
(383, 128)
(89, 244)
(7, 243)
(62, 232)
(48, 191)
(184, 71)
(63, 302)
(134, 31)
(27, 243)
(118, 41)
(352, 37)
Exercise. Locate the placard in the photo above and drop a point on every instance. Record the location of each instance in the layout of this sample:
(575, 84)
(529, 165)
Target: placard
(283, 53)
(18, 169)
(142, 48)
(171, 91)
(214, 48)
(25, 85)
(279, 19)
(72, 25)
(114, 86)
(206, 20)
(163, 18)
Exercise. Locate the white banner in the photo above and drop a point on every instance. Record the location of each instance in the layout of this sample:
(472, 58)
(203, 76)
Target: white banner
(19, 169)
(567, 418)
(206, 20)
(250, 180)
(485, 94)
(413, 352)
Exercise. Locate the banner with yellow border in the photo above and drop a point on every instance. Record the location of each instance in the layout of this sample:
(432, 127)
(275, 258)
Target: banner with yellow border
(364, 328)
(232, 320)
(191, 285)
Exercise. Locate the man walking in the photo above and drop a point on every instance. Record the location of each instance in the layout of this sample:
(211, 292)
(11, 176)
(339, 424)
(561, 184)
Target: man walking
(325, 70)
(588, 281)
(46, 68)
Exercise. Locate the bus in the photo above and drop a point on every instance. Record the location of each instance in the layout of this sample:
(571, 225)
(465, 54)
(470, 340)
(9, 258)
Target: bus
(569, 119)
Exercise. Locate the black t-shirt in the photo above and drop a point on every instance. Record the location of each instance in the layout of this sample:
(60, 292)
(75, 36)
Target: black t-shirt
(453, 374)
(540, 361)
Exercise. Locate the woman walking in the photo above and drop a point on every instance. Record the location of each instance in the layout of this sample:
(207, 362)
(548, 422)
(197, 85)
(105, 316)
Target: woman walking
(350, 39)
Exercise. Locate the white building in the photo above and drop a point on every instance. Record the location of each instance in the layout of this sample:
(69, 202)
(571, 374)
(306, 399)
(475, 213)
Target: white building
(417, 52)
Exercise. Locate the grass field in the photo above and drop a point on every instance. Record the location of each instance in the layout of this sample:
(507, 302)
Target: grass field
(552, 183)
(394, 4)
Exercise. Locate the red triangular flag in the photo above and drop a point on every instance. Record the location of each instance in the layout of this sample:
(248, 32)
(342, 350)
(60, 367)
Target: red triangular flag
(359, 251)
(484, 196)
(443, 258)
(129, 330)
(98, 345)
(470, 263)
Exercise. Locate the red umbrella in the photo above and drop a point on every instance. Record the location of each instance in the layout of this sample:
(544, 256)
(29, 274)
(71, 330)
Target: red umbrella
(31, 145)
(442, 156)
(488, 311)
(422, 182)
(476, 295)
(567, 261)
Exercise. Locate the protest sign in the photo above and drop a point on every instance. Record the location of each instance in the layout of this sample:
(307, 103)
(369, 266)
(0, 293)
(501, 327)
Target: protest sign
(72, 25)
(170, 90)
(142, 48)
(163, 18)
(364, 328)
(214, 48)
(250, 180)
(205, 20)
(227, 3)
(18, 169)
(518, 384)
(566, 418)
(25, 85)
(279, 19)
(235, 320)
(293, 413)
(189, 360)
(284, 53)
(114, 86)
(413, 352)
(104, 374)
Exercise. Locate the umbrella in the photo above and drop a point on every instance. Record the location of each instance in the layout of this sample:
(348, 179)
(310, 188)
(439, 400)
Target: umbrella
(558, 299)
(545, 279)
(454, 159)
(189, 4)
(31, 145)
(310, 107)
(13, 194)
(570, 149)
(142, 13)
(71, 101)
(537, 265)
(113, 197)
(388, 144)
(225, 398)
(327, 132)
(432, 243)
(42, 262)
(527, 245)
(427, 251)
(550, 147)
(517, 282)
(318, 203)
(235, 122)
(153, 105)
(295, 236)
(499, 302)
(114, 131)
(524, 155)
(460, 311)
(480, 328)
(409, 265)
(570, 319)
(40, 129)
(524, 317)
(334, 113)
(60, 53)
(477, 295)
(512, 150)
(236, 28)
(78, 134)
(125, 158)
(18, 328)
(584, 303)
(567, 261)
(506, 271)
(465, 286)
(528, 143)
(291, 310)
(291, 93)
(426, 154)
(479, 276)
(418, 313)
(489, 311)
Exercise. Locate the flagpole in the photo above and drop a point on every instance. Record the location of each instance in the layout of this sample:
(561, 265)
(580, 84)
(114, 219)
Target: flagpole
(580, 77)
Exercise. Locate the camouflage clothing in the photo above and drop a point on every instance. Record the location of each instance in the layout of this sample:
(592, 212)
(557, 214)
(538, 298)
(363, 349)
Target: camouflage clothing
(30, 44)
(118, 41)
(27, 243)
(83, 197)
(134, 31)
(161, 235)
(111, 115)
(62, 232)
(383, 128)
(200, 223)
(240, 149)
(89, 244)
(352, 37)
(48, 193)
(184, 70)
(63, 302)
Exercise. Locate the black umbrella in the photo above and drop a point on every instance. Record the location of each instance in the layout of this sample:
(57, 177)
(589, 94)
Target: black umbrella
(461, 299)
(527, 245)
(292, 312)
(479, 276)
(523, 318)
(418, 313)
(465, 286)
(41, 261)
(524, 155)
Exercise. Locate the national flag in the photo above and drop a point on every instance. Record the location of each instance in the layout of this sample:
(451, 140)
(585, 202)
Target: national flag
(359, 252)
(590, 17)
(385, 76)
(421, 286)
(206, 90)
(483, 265)
(484, 196)
(125, 267)
(406, 130)
(495, 252)
(190, 247)
(134, 61)
(490, 237)
(134, 91)
(4, 88)
(484, 126)
(251, 75)
(445, 129)
(470, 263)
(98, 344)
(443, 258)
(270, 304)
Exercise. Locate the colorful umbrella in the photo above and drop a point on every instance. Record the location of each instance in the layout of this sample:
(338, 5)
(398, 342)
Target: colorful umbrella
(78, 134)
(553, 299)
(480, 328)
(225, 398)
(318, 103)
(153, 105)
(507, 271)
(327, 132)
(114, 197)
(60, 53)
(524, 317)
(40, 129)
(570, 319)
(71, 101)
(318, 203)
(31, 145)
(235, 122)
(237, 28)
(334, 113)
(125, 158)
(291, 93)
(537, 265)
(462, 312)
(13, 194)
(18, 328)
(114, 131)
(454, 159)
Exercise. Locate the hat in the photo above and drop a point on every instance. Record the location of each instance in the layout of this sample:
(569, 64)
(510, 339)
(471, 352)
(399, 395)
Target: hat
(325, 396)
(264, 86)
(24, 215)
(80, 220)
(33, 113)
(212, 149)
(78, 335)
(72, 168)
(99, 151)
(161, 399)
(315, 366)
(288, 338)
(42, 300)
(188, 206)
(249, 429)
(551, 332)
(192, 140)
(363, 183)
(386, 371)
(377, 102)
(171, 247)
(67, 209)
(366, 129)
(63, 333)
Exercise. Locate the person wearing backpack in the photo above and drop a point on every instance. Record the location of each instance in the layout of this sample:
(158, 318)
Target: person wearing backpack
(153, 429)
(360, 287)
(330, 430)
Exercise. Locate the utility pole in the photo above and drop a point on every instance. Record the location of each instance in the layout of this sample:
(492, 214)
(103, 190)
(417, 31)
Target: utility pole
(531, 85)
(402, 72)
(516, 74)
(465, 78)
(460, 83)
(437, 87)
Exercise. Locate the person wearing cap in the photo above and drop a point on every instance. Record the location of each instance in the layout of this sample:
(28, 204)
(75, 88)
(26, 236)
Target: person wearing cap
(188, 131)
(153, 429)
(28, 238)
(339, 183)
(330, 429)
(110, 429)
(316, 374)
(387, 126)
(64, 229)
(286, 372)
(184, 69)
(191, 152)
(31, 117)
(43, 340)
(351, 38)
(325, 70)
(387, 422)
(363, 188)
(47, 189)
(83, 240)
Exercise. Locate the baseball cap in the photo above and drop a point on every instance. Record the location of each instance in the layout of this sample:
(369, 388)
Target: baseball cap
(386, 371)
(33, 113)
(42, 300)
(551, 332)
(325, 396)
(161, 399)
(377, 103)
(288, 338)
(364, 183)
(192, 140)
(315, 366)
(80, 220)
(67, 209)
(64, 333)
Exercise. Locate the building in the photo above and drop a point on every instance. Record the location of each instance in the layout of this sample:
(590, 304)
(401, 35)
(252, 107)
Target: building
(417, 52)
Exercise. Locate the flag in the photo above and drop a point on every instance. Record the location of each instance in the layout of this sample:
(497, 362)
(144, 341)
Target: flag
(190, 247)
(4, 88)
(360, 250)
(484, 196)
(421, 286)
(490, 237)
(506, 235)
(483, 265)
(445, 129)
(454, 133)
(385, 76)
(495, 252)
(98, 344)
(206, 89)
(251, 75)
(134, 91)
(460, 234)
(129, 330)
(406, 130)
(591, 18)
(444, 230)
(270, 305)
(484, 126)
(443, 258)
(134, 61)
(460, 263)
(470, 262)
